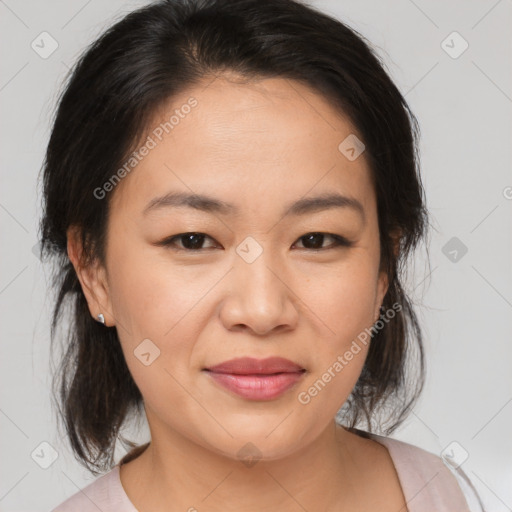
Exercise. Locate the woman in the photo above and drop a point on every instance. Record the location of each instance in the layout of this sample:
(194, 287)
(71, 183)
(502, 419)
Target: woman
(230, 190)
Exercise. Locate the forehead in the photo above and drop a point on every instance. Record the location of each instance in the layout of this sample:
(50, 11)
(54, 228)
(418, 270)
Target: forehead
(251, 142)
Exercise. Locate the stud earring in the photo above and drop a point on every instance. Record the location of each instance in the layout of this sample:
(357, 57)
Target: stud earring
(101, 318)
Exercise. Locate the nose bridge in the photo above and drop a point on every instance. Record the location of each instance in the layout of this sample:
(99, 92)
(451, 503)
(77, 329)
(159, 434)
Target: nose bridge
(256, 271)
(260, 299)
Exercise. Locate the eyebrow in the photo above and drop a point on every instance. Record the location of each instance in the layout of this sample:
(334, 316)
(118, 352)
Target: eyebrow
(212, 205)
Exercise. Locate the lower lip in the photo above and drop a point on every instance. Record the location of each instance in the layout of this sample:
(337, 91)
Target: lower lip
(257, 387)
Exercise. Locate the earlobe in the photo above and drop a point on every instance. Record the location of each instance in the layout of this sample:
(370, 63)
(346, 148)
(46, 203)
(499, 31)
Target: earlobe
(396, 236)
(382, 288)
(92, 278)
(383, 282)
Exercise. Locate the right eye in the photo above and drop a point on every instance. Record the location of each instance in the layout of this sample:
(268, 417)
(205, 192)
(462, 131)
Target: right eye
(191, 242)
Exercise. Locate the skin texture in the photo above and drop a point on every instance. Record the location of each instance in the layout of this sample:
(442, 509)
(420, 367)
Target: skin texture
(259, 146)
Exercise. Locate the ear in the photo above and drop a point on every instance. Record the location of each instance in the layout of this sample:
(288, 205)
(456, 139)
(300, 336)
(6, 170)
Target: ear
(382, 288)
(92, 277)
(383, 280)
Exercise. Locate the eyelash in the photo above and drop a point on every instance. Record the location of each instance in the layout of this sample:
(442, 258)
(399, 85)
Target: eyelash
(339, 241)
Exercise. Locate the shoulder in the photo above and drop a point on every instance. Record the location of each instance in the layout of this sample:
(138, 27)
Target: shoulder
(102, 494)
(427, 482)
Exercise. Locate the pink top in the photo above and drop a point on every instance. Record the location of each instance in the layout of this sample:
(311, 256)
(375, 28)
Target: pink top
(427, 484)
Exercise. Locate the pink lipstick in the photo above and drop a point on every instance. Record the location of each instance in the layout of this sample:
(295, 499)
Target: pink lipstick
(257, 379)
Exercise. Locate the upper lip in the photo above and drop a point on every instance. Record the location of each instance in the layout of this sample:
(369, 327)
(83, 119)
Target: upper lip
(252, 366)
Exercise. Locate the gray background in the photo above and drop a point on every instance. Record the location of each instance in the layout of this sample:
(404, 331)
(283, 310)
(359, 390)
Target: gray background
(463, 105)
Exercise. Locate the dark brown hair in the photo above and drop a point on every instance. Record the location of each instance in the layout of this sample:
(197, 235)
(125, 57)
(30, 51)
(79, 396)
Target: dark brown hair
(110, 96)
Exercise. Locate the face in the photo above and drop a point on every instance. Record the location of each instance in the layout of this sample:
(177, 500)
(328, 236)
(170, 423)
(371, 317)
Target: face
(267, 273)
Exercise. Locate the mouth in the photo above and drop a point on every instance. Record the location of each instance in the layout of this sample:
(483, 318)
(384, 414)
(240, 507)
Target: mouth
(257, 379)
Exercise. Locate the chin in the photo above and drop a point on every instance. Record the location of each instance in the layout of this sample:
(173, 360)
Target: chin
(260, 440)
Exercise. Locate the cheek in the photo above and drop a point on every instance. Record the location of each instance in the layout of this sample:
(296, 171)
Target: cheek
(339, 357)
(344, 304)
(159, 304)
(343, 298)
(151, 294)
(164, 304)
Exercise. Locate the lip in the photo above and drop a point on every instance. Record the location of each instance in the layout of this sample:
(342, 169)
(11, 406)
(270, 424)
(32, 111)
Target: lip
(257, 379)
(252, 366)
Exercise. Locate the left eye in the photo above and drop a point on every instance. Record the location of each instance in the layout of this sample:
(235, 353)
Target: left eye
(314, 241)
(193, 242)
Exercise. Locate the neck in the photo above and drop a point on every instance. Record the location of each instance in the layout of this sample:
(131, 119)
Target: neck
(174, 470)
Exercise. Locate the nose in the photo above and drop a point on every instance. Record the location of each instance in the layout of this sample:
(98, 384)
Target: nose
(259, 299)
